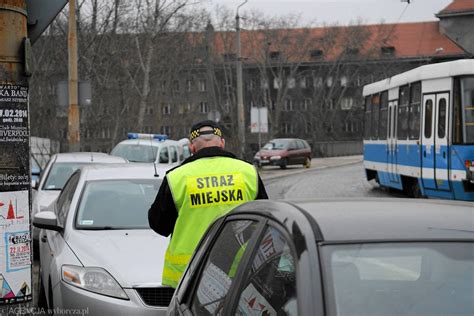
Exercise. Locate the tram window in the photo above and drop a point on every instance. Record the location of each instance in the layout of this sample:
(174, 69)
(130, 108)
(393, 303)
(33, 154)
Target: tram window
(442, 118)
(457, 137)
(367, 117)
(383, 115)
(467, 89)
(375, 116)
(403, 111)
(414, 115)
(428, 117)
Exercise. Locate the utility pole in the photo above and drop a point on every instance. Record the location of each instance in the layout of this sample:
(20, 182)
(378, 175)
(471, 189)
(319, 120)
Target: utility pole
(240, 93)
(15, 190)
(73, 115)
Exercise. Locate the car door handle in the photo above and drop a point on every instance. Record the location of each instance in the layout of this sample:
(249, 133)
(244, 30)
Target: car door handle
(44, 238)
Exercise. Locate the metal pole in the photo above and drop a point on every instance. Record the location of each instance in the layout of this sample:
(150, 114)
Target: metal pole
(259, 130)
(73, 116)
(240, 96)
(15, 189)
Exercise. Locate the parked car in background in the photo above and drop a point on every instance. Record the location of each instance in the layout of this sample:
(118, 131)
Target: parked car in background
(283, 152)
(151, 148)
(97, 251)
(345, 257)
(57, 172)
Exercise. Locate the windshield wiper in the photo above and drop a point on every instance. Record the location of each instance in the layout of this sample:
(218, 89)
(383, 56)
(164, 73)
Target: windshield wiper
(100, 228)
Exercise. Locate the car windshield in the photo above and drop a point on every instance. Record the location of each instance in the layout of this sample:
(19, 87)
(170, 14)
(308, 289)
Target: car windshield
(136, 152)
(116, 204)
(59, 174)
(276, 144)
(399, 278)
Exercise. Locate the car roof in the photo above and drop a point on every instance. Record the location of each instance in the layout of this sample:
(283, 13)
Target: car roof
(93, 157)
(122, 171)
(148, 142)
(378, 219)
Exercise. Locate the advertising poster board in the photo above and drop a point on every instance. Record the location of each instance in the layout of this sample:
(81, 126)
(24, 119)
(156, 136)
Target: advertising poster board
(15, 241)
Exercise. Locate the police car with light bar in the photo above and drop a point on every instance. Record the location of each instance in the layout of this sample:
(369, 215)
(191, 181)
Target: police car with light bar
(156, 148)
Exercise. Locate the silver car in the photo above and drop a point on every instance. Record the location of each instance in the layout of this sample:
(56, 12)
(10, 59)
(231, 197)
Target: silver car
(57, 171)
(97, 251)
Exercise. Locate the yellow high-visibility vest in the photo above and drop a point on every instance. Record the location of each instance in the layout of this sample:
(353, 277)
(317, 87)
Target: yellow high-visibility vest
(203, 190)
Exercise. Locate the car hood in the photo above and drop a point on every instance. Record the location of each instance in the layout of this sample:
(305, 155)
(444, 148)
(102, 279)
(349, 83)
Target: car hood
(133, 257)
(269, 153)
(42, 199)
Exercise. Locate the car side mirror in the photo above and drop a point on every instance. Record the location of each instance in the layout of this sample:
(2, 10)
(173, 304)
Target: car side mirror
(46, 220)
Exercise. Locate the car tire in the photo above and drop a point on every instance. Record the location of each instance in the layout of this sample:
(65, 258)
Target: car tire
(307, 162)
(284, 163)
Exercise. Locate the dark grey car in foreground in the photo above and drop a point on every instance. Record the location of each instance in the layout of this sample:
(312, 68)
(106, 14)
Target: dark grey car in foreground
(349, 257)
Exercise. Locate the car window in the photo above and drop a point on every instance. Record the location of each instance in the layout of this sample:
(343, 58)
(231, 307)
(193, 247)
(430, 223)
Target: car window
(143, 152)
(164, 156)
(292, 145)
(221, 266)
(399, 278)
(301, 144)
(276, 144)
(59, 174)
(270, 286)
(173, 154)
(116, 204)
(65, 198)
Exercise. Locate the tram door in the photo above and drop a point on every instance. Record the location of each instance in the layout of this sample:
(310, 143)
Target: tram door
(392, 141)
(434, 159)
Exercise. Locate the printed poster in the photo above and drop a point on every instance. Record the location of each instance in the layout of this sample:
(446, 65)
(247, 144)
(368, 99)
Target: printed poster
(15, 231)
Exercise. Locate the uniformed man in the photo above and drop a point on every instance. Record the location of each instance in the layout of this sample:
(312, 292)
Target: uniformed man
(204, 187)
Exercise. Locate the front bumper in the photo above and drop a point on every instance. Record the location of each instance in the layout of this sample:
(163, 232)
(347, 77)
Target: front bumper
(69, 299)
(267, 162)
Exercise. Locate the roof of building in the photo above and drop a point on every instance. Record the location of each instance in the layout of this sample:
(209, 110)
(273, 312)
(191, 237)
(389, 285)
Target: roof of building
(323, 44)
(458, 7)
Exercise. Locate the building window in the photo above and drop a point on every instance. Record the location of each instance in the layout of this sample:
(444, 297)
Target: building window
(305, 82)
(387, 50)
(264, 83)
(329, 82)
(307, 104)
(189, 85)
(276, 83)
(347, 103)
(226, 108)
(203, 107)
(176, 85)
(316, 54)
(288, 128)
(275, 55)
(343, 81)
(229, 57)
(251, 84)
(165, 130)
(291, 83)
(330, 104)
(352, 51)
(202, 85)
(272, 105)
(149, 110)
(288, 105)
(318, 82)
(166, 110)
(308, 128)
(185, 108)
(163, 85)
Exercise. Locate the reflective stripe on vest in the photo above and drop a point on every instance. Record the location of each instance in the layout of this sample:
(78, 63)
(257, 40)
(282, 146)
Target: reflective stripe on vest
(203, 190)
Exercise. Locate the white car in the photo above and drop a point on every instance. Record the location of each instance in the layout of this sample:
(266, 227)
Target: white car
(57, 171)
(97, 250)
(152, 148)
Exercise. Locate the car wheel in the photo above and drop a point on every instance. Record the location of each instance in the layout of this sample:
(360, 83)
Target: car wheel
(42, 303)
(307, 162)
(284, 163)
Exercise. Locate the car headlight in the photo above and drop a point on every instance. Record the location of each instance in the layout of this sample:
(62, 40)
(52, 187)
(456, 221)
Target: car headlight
(257, 155)
(96, 280)
(275, 158)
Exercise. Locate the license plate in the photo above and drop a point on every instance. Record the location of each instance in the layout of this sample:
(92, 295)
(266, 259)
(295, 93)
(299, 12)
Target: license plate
(263, 161)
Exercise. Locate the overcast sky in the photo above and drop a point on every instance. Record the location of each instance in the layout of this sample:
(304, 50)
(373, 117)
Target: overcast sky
(344, 11)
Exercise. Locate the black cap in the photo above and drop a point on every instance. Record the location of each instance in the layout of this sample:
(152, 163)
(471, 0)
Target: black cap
(194, 133)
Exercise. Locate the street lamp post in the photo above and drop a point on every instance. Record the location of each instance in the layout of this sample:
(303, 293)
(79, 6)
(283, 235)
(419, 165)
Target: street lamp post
(73, 115)
(240, 96)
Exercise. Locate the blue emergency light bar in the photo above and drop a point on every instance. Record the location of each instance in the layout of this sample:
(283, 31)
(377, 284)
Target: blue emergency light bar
(158, 137)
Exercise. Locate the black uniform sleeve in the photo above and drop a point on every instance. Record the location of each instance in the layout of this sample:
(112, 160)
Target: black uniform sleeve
(262, 193)
(162, 214)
